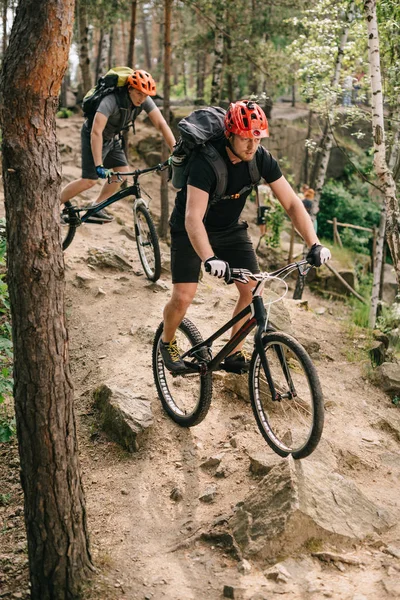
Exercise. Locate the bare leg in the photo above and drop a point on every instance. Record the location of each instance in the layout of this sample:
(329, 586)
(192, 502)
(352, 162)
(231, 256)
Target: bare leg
(76, 187)
(175, 309)
(244, 300)
(109, 189)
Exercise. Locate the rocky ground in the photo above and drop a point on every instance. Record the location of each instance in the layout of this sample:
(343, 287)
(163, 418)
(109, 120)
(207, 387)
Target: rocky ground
(212, 512)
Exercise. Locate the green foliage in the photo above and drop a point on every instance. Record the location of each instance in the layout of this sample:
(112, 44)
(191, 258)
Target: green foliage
(7, 425)
(349, 201)
(274, 221)
(64, 113)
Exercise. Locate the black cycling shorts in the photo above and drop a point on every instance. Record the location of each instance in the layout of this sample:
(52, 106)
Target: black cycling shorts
(112, 153)
(232, 245)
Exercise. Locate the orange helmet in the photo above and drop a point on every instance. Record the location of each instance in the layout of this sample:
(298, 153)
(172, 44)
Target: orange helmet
(142, 81)
(247, 119)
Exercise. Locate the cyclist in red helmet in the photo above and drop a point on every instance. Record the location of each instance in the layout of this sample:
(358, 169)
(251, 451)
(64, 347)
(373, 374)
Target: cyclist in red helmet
(209, 232)
(101, 140)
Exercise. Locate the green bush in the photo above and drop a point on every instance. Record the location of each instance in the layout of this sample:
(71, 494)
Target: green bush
(64, 113)
(349, 204)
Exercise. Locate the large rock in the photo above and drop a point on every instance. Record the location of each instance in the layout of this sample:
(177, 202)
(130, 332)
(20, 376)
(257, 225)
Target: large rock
(125, 416)
(108, 258)
(389, 377)
(299, 501)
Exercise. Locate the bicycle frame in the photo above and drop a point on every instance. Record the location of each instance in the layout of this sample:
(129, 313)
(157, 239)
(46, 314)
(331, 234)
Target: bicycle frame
(258, 319)
(131, 190)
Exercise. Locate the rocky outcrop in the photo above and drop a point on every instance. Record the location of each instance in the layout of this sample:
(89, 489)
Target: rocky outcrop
(124, 416)
(302, 501)
(389, 377)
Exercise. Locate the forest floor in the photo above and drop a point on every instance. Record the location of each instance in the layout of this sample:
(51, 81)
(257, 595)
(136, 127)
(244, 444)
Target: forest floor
(143, 542)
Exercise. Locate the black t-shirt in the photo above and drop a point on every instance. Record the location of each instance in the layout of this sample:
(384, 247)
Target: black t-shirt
(225, 212)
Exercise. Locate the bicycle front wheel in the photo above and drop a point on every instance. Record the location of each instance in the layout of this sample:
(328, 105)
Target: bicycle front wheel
(291, 418)
(185, 398)
(147, 242)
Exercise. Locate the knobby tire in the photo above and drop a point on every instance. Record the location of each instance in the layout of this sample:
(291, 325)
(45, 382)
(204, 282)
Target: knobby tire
(165, 382)
(264, 408)
(152, 271)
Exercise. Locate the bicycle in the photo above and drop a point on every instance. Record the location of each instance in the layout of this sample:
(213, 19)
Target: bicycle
(145, 232)
(285, 391)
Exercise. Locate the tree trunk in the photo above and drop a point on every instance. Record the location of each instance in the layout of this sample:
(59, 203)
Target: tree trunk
(304, 175)
(55, 514)
(111, 48)
(216, 82)
(84, 60)
(166, 113)
(131, 48)
(201, 75)
(377, 269)
(146, 46)
(4, 44)
(378, 130)
(327, 140)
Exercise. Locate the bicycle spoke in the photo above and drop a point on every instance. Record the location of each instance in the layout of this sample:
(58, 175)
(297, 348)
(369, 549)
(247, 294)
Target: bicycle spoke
(288, 422)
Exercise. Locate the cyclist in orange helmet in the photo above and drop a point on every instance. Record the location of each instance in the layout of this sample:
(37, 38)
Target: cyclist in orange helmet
(208, 230)
(101, 136)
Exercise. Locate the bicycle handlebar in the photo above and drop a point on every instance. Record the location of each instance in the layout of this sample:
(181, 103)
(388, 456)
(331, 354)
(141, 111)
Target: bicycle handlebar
(244, 275)
(119, 175)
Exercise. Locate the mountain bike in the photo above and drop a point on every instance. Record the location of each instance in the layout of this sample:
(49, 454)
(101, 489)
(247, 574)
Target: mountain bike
(284, 388)
(145, 232)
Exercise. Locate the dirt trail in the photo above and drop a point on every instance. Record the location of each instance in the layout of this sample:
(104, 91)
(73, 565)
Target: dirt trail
(144, 542)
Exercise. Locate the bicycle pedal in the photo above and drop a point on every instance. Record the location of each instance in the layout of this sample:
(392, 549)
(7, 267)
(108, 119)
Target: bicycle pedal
(235, 370)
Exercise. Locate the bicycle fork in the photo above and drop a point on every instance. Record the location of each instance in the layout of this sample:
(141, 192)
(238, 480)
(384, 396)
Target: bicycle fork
(261, 322)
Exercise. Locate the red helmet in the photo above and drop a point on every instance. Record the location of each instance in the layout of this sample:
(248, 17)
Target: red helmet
(142, 81)
(247, 119)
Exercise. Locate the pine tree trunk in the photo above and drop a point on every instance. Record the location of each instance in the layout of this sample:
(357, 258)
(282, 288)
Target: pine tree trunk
(146, 46)
(55, 514)
(4, 43)
(166, 113)
(84, 60)
(131, 48)
(216, 83)
(385, 176)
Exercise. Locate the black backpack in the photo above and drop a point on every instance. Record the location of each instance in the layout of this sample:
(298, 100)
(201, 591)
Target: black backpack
(198, 131)
(113, 82)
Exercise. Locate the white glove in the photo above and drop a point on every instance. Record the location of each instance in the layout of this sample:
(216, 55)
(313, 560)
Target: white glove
(318, 255)
(216, 267)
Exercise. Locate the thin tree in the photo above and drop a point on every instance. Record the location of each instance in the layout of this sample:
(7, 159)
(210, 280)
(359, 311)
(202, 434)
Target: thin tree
(216, 83)
(4, 41)
(327, 138)
(55, 514)
(385, 176)
(84, 58)
(166, 113)
(131, 48)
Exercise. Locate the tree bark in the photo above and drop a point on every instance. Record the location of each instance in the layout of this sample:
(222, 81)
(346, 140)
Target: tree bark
(166, 113)
(55, 514)
(378, 130)
(4, 44)
(146, 46)
(327, 140)
(216, 83)
(84, 60)
(131, 48)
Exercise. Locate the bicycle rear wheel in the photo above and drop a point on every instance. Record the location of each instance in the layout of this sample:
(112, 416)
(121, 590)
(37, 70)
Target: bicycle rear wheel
(185, 398)
(292, 422)
(67, 226)
(147, 242)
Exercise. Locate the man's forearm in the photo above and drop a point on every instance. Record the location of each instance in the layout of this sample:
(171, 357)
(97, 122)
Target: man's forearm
(96, 144)
(199, 239)
(303, 224)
